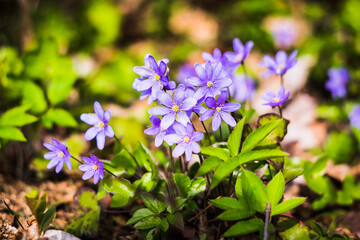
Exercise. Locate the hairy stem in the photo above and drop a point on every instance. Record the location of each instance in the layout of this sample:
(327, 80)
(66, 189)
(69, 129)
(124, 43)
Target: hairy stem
(267, 220)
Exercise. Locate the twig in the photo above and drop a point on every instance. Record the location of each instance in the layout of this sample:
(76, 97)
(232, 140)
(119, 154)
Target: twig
(202, 211)
(16, 219)
(267, 220)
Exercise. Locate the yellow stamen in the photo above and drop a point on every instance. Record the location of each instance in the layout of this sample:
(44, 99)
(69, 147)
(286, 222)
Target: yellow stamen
(218, 109)
(101, 124)
(277, 99)
(157, 77)
(95, 167)
(209, 84)
(61, 154)
(186, 139)
(175, 108)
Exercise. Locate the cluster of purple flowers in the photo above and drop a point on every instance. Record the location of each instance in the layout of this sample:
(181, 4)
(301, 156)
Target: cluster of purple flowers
(59, 154)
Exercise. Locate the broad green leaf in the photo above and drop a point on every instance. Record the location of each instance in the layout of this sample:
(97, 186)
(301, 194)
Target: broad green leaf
(47, 218)
(198, 185)
(296, 232)
(12, 133)
(148, 222)
(332, 113)
(258, 135)
(227, 203)
(238, 188)
(244, 227)
(235, 214)
(179, 204)
(278, 134)
(59, 116)
(139, 215)
(124, 162)
(87, 213)
(287, 205)
(209, 165)
(254, 190)
(275, 189)
(122, 189)
(144, 156)
(234, 139)
(33, 95)
(164, 225)
(16, 117)
(221, 153)
(183, 182)
(229, 166)
(147, 181)
(154, 204)
(291, 173)
(340, 147)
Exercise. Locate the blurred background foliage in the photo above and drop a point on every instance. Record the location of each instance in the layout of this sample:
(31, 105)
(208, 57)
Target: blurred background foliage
(58, 57)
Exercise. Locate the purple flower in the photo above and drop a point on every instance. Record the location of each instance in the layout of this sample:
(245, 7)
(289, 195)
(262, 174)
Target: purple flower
(186, 140)
(185, 70)
(280, 65)
(241, 52)
(285, 33)
(275, 100)
(154, 78)
(58, 155)
(354, 117)
(92, 168)
(243, 88)
(211, 80)
(220, 110)
(338, 78)
(216, 57)
(173, 109)
(100, 128)
(157, 130)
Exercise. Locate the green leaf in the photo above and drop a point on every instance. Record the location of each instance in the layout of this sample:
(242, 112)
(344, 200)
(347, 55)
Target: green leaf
(139, 215)
(287, 205)
(209, 165)
(296, 232)
(197, 186)
(47, 218)
(236, 214)
(16, 117)
(229, 166)
(87, 213)
(275, 189)
(340, 147)
(164, 225)
(183, 182)
(258, 135)
(332, 113)
(238, 188)
(33, 95)
(254, 190)
(144, 156)
(155, 205)
(12, 133)
(227, 203)
(122, 189)
(244, 227)
(278, 134)
(148, 222)
(59, 116)
(124, 162)
(221, 153)
(234, 139)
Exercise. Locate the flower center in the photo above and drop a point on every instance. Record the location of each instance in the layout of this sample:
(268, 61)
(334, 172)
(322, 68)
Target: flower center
(157, 77)
(175, 108)
(218, 109)
(61, 154)
(276, 99)
(101, 124)
(95, 167)
(209, 84)
(186, 139)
